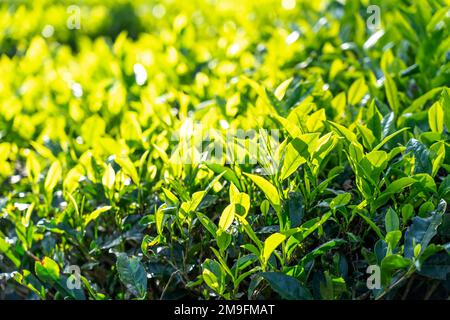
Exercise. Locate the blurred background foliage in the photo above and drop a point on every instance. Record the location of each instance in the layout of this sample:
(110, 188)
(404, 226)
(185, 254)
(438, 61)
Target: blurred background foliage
(78, 106)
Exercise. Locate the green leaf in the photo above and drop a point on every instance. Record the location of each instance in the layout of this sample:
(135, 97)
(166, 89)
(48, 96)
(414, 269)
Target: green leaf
(393, 238)
(251, 234)
(265, 206)
(192, 205)
(47, 270)
(392, 93)
(436, 117)
(170, 197)
(293, 130)
(108, 178)
(95, 214)
(53, 176)
(420, 102)
(389, 137)
(340, 200)
(229, 174)
(322, 249)
(407, 212)
(270, 244)
(132, 274)
(287, 287)
(222, 262)
(377, 159)
(367, 136)
(339, 102)
(374, 120)
(227, 217)
(28, 280)
(295, 208)
(446, 107)
(437, 152)
(269, 190)
(343, 132)
(295, 155)
(393, 188)
(128, 167)
(422, 230)
(159, 219)
(223, 239)
(357, 91)
(213, 275)
(240, 199)
(207, 223)
(399, 185)
(391, 221)
(437, 19)
(372, 225)
(390, 264)
(129, 127)
(8, 251)
(309, 226)
(280, 91)
(197, 198)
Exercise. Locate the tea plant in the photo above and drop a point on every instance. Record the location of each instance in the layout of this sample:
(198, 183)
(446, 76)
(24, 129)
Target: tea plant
(225, 150)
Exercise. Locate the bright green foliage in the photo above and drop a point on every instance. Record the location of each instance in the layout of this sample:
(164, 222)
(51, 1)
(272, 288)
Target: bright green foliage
(99, 165)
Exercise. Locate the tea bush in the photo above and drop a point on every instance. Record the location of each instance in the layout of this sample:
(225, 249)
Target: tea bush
(113, 185)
